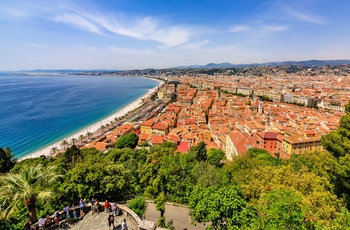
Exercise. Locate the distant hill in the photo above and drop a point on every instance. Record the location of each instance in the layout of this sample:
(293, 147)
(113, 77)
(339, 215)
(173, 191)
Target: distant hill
(301, 63)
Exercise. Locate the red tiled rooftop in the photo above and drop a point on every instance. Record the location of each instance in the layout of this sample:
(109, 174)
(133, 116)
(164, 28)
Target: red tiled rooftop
(183, 147)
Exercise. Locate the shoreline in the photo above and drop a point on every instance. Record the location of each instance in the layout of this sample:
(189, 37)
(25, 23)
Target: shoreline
(46, 151)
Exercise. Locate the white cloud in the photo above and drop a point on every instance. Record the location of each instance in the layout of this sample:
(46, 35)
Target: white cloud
(240, 28)
(308, 17)
(194, 45)
(271, 28)
(145, 28)
(78, 21)
(37, 45)
(129, 50)
(85, 48)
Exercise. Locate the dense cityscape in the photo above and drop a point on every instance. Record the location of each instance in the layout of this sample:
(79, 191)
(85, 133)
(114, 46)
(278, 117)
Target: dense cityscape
(283, 109)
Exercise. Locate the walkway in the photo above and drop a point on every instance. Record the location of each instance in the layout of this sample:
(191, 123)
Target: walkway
(99, 222)
(179, 214)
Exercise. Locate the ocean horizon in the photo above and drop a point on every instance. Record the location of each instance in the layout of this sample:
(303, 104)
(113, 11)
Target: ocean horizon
(39, 110)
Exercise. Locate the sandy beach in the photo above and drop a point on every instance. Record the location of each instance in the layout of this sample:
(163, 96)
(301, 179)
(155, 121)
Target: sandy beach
(46, 151)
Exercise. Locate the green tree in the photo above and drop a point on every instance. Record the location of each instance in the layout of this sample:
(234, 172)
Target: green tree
(138, 205)
(7, 160)
(128, 141)
(338, 142)
(30, 184)
(64, 144)
(280, 209)
(160, 205)
(72, 155)
(97, 177)
(316, 192)
(215, 156)
(200, 151)
(223, 207)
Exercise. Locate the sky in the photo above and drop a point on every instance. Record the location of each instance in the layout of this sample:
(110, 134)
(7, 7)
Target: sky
(140, 34)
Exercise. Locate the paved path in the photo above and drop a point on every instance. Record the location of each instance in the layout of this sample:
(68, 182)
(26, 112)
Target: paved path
(99, 222)
(179, 214)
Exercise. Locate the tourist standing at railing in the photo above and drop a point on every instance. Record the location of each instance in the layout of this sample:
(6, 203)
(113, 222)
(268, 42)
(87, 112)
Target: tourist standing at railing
(66, 209)
(107, 206)
(81, 206)
(55, 217)
(97, 206)
(48, 222)
(92, 202)
(41, 223)
(114, 209)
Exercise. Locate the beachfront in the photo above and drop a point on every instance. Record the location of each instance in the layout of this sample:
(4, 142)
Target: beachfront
(94, 128)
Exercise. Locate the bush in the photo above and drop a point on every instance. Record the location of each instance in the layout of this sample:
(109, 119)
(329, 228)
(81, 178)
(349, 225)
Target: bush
(138, 205)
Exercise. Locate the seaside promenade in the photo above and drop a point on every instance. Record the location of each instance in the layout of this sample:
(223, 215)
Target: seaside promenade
(132, 112)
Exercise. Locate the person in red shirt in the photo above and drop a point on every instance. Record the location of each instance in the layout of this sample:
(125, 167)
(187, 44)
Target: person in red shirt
(107, 206)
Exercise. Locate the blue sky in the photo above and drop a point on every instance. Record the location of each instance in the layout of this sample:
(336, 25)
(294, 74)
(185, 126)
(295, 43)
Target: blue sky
(125, 34)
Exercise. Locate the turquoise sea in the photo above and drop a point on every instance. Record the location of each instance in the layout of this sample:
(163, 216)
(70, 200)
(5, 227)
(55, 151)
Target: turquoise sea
(36, 111)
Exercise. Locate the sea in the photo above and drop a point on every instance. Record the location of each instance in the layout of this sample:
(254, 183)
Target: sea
(36, 111)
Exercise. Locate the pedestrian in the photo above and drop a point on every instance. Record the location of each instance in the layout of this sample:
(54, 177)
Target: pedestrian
(92, 201)
(97, 206)
(41, 223)
(56, 217)
(124, 226)
(107, 206)
(66, 209)
(111, 221)
(114, 209)
(81, 206)
(75, 215)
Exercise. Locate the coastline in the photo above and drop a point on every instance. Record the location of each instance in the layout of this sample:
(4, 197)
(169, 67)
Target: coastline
(46, 151)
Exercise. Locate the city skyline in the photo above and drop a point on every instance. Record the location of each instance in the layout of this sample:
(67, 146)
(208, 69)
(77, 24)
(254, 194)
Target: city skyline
(160, 34)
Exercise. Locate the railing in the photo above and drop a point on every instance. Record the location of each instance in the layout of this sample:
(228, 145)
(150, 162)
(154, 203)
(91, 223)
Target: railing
(131, 214)
(62, 215)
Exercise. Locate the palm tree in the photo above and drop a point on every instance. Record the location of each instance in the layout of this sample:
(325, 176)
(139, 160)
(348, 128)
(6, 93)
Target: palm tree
(81, 137)
(64, 144)
(73, 140)
(30, 184)
(89, 135)
(53, 150)
(102, 128)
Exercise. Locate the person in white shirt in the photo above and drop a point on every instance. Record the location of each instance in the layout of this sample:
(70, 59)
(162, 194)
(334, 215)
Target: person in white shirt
(41, 223)
(124, 226)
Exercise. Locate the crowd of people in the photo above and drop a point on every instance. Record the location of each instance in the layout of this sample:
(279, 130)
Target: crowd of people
(71, 214)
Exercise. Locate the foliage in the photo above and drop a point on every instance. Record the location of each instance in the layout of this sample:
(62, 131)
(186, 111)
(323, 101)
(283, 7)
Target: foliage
(316, 191)
(97, 177)
(338, 142)
(280, 209)
(224, 207)
(30, 184)
(7, 160)
(200, 151)
(160, 203)
(138, 205)
(72, 155)
(214, 157)
(129, 140)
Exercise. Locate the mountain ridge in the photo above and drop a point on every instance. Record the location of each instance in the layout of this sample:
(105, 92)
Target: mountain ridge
(285, 63)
